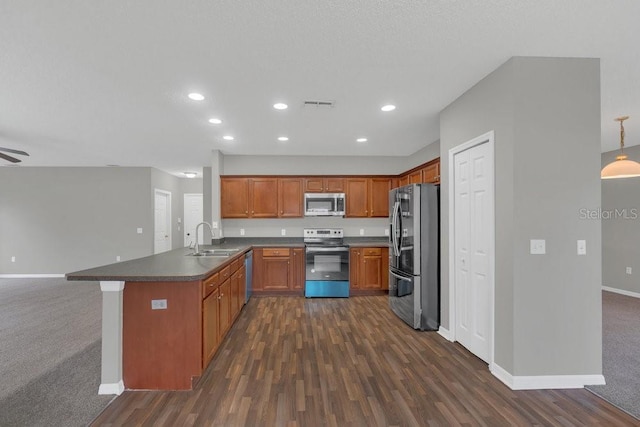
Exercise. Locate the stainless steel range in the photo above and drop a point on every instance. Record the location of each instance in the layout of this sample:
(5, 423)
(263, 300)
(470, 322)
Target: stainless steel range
(327, 263)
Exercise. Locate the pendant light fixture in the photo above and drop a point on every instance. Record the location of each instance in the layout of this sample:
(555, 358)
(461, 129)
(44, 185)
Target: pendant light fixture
(621, 167)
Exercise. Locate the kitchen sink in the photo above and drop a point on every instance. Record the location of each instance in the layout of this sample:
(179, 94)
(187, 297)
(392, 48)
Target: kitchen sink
(223, 253)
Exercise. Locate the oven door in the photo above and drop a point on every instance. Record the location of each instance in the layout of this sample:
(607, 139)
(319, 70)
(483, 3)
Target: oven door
(327, 263)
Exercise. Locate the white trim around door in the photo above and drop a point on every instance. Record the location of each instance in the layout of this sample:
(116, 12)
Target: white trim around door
(487, 138)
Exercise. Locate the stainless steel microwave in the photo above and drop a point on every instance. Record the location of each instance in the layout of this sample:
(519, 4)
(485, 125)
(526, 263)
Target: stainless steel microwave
(324, 204)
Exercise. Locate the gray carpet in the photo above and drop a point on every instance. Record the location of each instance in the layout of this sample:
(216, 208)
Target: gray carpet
(621, 352)
(50, 353)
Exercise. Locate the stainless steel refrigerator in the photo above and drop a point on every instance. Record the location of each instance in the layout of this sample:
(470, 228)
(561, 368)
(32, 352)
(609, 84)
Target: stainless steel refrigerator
(414, 255)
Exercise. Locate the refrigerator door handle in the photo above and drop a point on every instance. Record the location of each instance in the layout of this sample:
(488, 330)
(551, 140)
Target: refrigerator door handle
(394, 223)
(410, 279)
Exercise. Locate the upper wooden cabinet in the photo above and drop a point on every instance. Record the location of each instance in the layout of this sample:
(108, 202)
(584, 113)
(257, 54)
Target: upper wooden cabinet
(357, 194)
(431, 173)
(290, 197)
(324, 185)
(426, 173)
(368, 197)
(261, 197)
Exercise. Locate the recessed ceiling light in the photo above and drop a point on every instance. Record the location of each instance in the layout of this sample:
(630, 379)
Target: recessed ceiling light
(196, 96)
(361, 140)
(215, 121)
(190, 174)
(280, 106)
(283, 138)
(227, 138)
(388, 107)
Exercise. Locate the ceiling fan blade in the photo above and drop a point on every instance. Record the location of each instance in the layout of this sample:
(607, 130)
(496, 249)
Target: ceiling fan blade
(9, 158)
(10, 150)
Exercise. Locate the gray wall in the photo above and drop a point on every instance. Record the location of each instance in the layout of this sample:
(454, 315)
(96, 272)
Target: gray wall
(544, 111)
(422, 156)
(55, 220)
(621, 227)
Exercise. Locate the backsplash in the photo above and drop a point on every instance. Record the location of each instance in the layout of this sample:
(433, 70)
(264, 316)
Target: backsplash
(294, 227)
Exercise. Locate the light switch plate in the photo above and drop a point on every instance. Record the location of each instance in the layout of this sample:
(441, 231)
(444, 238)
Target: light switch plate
(139, 230)
(582, 247)
(628, 270)
(538, 247)
(242, 231)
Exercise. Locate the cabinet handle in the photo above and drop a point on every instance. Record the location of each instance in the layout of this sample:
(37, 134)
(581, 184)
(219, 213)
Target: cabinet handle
(252, 212)
(219, 297)
(246, 212)
(281, 212)
(211, 285)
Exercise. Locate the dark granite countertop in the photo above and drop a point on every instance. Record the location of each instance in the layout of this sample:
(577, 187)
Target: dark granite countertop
(176, 266)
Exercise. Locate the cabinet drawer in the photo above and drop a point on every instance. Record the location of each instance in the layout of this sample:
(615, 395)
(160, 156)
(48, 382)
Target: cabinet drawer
(266, 252)
(225, 273)
(210, 284)
(235, 265)
(372, 251)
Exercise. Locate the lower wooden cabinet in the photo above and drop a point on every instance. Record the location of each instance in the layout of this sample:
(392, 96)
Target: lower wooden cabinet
(210, 326)
(368, 268)
(278, 270)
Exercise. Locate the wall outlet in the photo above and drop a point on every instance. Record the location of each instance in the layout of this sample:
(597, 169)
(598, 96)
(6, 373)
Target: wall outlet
(538, 247)
(117, 257)
(283, 232)
(139, 230)
(214, 224)
(362, 231)
(386, 231)
(179, 220)
(13, 259)
(242, 231)
(628, 270)
(582, 247)
(158, 304)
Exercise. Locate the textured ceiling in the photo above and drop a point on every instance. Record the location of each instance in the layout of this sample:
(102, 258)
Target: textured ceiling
(92, 83)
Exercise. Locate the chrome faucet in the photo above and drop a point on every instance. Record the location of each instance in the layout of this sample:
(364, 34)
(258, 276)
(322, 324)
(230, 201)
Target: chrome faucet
(197, 248)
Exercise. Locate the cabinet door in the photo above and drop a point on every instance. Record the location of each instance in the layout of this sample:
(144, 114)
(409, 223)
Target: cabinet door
(415, 177)
(242, 296)
(371, 269)
(290, 198)
(334, 185)
(357, 197)
(224, 307)
(276, 273)
(234, 195)
(379, 197)
(354, 268)
(264, 202)
(210, 334)
(258, 270)
(314, 185)
(431, 173)
(234, 295)
(298, 267)
(404, 180)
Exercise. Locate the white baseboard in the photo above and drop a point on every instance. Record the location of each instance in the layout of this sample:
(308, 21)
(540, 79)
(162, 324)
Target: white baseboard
(445, 333)
(542, 382)
(112, 388)
(29, 276)
(621, 292)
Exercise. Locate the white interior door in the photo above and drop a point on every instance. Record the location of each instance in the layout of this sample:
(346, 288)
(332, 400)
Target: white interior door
(162, 221)
(473, 251)
(193, 215)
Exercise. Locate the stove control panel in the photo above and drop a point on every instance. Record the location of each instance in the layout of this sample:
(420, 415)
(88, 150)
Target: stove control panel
(328, 233)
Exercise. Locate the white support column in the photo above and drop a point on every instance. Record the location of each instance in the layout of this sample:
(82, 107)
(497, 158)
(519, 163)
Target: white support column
(111, 382)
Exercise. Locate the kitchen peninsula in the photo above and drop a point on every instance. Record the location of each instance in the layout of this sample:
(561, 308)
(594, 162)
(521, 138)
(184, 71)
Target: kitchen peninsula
(165, 315)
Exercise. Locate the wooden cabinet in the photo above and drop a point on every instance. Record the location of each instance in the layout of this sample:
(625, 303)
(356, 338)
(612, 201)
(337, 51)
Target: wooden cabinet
(415, 177)
(431, 173)
(357, 194)
(369, 268)
(324, 185)
(248, 197)
(234, 295)
(290, 198)
(379, 197)
(242, 278)
(210, 326)
(368, 197)
(403, 180)
(299, 270)
(224, 307)
(278, 270)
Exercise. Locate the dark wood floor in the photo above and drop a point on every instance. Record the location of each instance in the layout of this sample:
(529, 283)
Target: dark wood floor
(337, 362)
